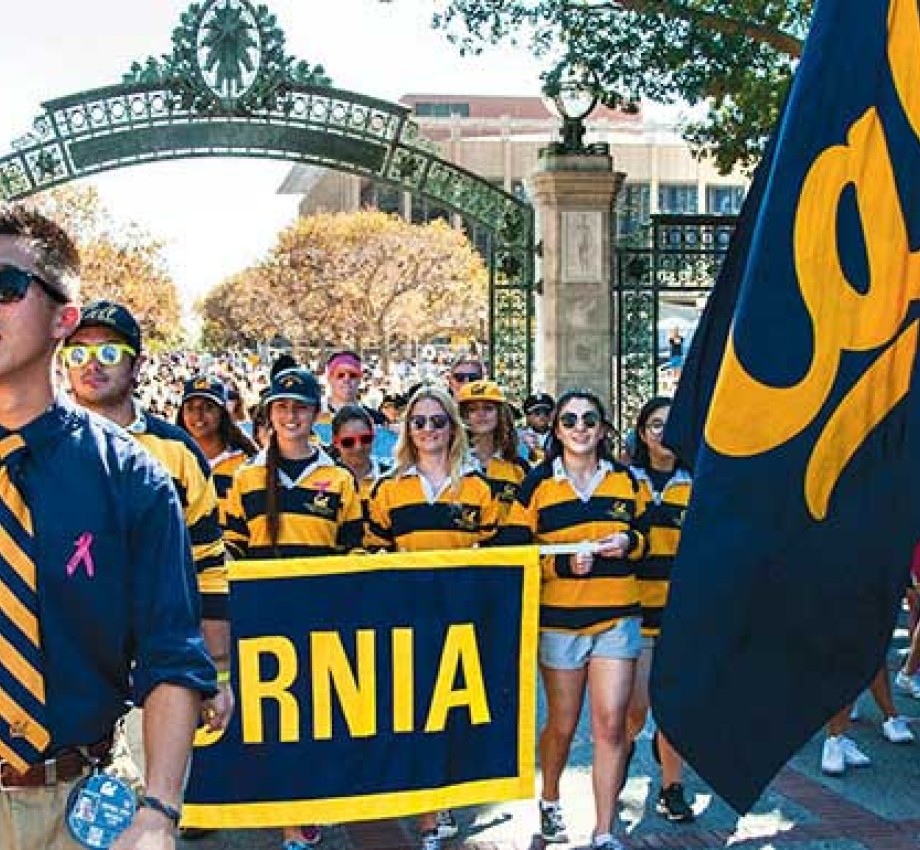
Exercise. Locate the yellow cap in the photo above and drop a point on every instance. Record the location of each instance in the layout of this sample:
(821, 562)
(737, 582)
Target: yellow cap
(481, 391)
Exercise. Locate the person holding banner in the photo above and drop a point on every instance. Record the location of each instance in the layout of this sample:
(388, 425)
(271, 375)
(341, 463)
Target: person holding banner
(582, 507)
(666, 486)
(293, 501)
(433, 500)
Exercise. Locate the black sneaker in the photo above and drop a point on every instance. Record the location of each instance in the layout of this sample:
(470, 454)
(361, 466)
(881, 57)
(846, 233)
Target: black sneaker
(552, 824)
(673, 805)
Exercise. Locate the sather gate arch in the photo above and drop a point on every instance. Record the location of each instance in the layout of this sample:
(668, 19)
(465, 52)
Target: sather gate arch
(230, 89)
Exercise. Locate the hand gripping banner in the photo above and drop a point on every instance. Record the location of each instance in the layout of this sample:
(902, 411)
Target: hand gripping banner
(374, 686)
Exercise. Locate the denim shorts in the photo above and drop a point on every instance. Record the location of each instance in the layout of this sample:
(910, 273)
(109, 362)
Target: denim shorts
(566, 651)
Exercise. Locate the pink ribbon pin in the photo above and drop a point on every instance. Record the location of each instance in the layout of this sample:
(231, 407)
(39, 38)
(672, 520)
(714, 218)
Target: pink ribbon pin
(82, 555)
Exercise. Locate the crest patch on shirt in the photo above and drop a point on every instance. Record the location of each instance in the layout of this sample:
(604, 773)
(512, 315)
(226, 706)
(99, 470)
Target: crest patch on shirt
(620, 511)
(466, 517)
(318, 504)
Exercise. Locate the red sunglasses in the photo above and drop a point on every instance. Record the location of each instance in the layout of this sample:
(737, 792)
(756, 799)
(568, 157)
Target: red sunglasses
(351, 441)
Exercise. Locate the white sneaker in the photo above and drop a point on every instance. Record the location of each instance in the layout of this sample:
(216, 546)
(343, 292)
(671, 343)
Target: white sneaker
(832, 760)
(853, 755)
(895, 729)
(446, 825)
(908, 684)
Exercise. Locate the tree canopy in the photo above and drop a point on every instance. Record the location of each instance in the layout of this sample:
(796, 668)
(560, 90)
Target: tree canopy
(120, 261)
(734, 56)
(364, 279)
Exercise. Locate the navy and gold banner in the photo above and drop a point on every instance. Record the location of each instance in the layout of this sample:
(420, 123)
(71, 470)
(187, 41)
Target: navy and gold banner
(374, 686)
(805, 507)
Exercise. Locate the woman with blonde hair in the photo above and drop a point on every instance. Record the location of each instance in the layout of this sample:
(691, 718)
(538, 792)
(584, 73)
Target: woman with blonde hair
(433, 499)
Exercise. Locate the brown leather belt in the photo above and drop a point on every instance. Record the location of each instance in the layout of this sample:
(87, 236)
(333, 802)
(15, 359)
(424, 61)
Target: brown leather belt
(65, 767)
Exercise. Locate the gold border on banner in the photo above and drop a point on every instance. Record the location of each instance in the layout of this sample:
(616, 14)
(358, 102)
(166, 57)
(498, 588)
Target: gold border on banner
(390, 804)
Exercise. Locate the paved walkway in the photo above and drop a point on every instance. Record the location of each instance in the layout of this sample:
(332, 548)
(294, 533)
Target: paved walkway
(874, 808)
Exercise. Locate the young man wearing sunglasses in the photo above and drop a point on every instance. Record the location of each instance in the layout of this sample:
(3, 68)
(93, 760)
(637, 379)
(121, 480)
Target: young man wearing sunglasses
(85, 514)
(103, 358)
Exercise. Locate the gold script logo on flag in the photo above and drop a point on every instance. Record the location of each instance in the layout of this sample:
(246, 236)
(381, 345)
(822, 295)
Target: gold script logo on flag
(749, 417)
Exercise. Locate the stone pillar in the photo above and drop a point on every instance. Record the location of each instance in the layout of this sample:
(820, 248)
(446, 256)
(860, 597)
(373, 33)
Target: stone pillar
(574, 195)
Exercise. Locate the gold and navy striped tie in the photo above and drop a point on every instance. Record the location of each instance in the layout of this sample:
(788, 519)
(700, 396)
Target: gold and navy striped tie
(23, 736)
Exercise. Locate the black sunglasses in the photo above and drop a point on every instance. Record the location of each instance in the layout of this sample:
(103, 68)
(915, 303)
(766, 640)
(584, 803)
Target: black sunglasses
(14, 284)
(438, 421)
(569, 420)
(467, 377)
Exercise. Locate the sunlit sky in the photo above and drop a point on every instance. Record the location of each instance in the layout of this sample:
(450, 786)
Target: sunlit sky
(218, 215)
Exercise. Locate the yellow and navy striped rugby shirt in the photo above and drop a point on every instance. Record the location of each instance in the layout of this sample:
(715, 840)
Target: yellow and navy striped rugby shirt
(191, 475)
(661, 524)
(549, 510)
(405, 515)
(223, 468)
(504, 478)
(320, 512)
(379, 469)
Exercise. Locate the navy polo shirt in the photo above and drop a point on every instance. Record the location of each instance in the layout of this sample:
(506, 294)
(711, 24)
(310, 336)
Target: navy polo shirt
(118, 601)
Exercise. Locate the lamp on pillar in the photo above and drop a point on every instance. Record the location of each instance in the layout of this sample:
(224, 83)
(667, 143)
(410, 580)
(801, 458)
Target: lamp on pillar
(572, 90)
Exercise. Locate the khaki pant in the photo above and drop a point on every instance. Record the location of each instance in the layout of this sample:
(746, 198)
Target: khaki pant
(33, 819)
(128, 750)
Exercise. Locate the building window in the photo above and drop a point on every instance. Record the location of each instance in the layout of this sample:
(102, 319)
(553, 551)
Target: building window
(424, 211)
(677, 199)
(380, 196)
(633, 208)
(724, 200)
(442, 110)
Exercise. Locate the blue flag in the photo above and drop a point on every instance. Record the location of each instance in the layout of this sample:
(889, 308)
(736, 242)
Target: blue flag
(795, 548)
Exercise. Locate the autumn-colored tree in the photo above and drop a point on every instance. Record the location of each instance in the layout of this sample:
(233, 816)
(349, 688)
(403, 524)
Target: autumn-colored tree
(120, 262)
(365, 279)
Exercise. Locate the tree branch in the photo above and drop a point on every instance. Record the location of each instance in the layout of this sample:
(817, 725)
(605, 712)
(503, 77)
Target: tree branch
(778, 39)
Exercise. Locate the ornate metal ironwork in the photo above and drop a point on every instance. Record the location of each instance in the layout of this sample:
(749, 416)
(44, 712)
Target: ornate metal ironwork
(678, 255)
(230, 89)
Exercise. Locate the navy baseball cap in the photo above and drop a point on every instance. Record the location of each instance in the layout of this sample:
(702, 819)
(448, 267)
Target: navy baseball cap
(537, 401)
(205, 386)
(108, 314)
(297, 384)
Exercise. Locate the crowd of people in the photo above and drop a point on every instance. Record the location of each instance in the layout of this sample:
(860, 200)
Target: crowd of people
(233, 449)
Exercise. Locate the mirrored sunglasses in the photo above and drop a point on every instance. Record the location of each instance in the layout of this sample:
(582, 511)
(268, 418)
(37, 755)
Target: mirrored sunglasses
(438, 421)
(14, 284)
(106, 354)
(353, 440)
(569, 420)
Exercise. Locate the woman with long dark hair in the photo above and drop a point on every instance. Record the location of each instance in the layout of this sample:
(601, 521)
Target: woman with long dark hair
(666, 486)
(579, 499)
(493, 440)
(352, 439)
(292, 500)
(432, 500)
(204, 414)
